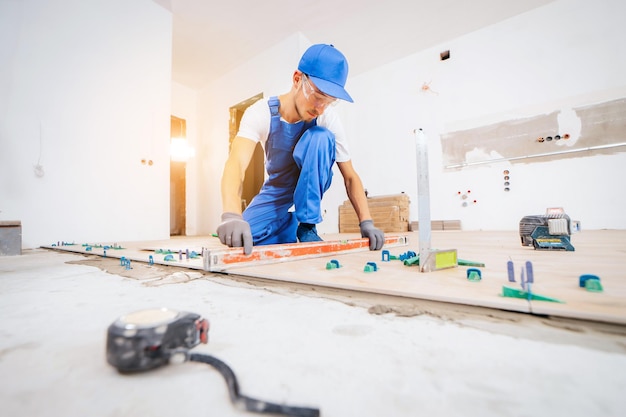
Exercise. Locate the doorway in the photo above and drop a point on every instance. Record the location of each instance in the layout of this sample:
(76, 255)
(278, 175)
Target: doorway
(255, 174)
(178, 182)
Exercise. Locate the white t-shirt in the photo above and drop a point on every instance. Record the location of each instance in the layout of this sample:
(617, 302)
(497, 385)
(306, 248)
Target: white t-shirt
(255, 125)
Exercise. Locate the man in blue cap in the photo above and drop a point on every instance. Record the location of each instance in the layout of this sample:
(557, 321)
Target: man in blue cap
(302, 138)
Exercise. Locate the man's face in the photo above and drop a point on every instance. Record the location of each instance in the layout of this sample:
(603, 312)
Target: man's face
(313, 102)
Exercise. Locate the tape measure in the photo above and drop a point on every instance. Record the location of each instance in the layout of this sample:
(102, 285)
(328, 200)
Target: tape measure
(147, 339)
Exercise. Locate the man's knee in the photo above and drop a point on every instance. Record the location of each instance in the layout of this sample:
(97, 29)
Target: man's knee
(319, 136)
(317, 140)
(280, 230)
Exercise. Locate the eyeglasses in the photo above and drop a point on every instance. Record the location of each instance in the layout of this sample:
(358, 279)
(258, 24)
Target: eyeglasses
(318, 98)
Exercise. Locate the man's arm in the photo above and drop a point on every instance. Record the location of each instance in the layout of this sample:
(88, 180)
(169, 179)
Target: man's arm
(238, 160)
(356, 195)
(234, 231)
(355, 190)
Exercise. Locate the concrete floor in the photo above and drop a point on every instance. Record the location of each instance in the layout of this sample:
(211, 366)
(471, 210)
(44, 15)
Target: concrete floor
(349, 354)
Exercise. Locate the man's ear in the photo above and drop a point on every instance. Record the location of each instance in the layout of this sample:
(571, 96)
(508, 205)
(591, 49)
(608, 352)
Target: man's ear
(297, 77)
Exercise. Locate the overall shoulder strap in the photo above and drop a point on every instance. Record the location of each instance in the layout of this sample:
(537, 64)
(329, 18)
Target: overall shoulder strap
(274, 103)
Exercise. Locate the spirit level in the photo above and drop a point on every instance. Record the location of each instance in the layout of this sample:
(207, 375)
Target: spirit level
(218, 260)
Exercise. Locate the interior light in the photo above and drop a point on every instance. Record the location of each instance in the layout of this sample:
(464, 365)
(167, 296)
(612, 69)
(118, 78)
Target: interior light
(180, 151)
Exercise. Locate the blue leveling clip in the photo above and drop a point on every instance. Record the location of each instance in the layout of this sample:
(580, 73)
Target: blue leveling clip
(125, 262)
(333, 264)
(474, 274)
(370, 267)
(590, 283)
(407, 255)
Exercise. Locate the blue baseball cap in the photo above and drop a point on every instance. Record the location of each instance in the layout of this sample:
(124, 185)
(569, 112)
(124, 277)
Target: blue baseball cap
(327, 68)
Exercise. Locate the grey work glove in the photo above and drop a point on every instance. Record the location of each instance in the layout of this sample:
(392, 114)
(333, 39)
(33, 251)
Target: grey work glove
(235, 232)
(376, 236)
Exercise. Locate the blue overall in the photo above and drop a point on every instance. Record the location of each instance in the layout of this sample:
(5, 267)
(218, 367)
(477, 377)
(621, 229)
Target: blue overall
(299, 160)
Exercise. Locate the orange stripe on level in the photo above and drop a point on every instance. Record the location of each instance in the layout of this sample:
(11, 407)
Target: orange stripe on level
(220, 259)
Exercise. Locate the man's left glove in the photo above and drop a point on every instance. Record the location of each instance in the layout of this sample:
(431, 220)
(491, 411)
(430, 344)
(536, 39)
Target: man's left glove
(376, 236)
(234, 231)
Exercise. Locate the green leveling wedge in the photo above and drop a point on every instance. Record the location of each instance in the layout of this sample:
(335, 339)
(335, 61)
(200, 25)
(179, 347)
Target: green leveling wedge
(517, 293)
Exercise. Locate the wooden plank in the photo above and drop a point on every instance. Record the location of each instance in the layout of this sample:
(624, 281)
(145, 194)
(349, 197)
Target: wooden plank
(392, 278)
(439, 225)
(398, 198)
(385, 227)
(144, 251)
(384, 210)
(451, 224)
(556, 274)
(436, 224)
(598, 252)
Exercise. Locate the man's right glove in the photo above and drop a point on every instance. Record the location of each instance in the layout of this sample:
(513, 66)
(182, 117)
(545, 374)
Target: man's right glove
(376, 236)
(235, 232)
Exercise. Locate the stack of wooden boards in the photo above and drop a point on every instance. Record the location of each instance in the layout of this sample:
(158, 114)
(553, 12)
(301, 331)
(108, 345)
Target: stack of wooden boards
(439, 225)
(390, 214)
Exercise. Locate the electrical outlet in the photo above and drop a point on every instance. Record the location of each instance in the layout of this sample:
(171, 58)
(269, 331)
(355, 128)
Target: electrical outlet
(550, 138)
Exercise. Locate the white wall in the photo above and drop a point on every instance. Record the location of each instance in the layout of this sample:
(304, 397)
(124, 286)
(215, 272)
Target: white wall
(85, 92)
(566, 54)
